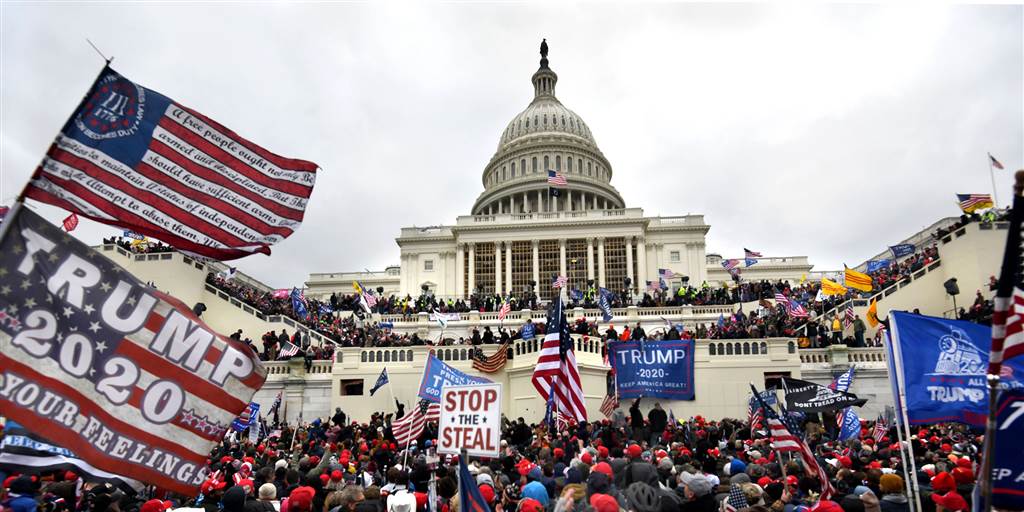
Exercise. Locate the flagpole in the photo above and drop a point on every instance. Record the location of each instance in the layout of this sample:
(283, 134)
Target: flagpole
(897, 357)
(992, 174)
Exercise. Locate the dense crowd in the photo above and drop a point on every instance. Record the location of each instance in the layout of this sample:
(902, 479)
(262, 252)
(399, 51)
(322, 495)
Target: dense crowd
(141, 246)
(629, 463)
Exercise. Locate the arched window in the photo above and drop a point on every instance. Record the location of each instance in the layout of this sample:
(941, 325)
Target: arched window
(535, 164)
(362, 357)
(527, 123)
(755, 349)
(558, 162)
(568, 163)
(503, 177)
(791, 347)
(579, 166)
(408, 355)
(463, 355)
(746, 349)
(563, 120)
(401, 356)
(513, 169)
(764, 348)
(522, 167)
(711, 348)
(536, 121)
(387, 357)
(728, 349)
(589, 169)
(546, 164)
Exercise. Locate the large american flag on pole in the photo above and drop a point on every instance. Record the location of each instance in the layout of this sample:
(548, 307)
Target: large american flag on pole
(556, 371)
(133, 158)
(97, 361)
(1008, 317)
(784, 440)
(411, 426)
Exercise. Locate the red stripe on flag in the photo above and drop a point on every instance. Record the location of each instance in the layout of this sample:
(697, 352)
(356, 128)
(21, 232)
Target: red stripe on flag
(278, 160)
(229, 160)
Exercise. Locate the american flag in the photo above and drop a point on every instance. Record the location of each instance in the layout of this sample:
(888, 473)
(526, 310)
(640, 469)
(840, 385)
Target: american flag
(793, 309)
(611, 396)
(1008, 317)
(971, 202)
(747, 253)
(881, 427)
(665, 273)
(995, 163)
(180, 397)
(495, 362)
(556, 368)
(503, 312)
(133, 158)
(848, 317)
(288, 349)
(783, 440)
(736, 500)
(559, 282)
(371, 299)
(556, 179)
(730, 264)
(411, 426)
(754, 416)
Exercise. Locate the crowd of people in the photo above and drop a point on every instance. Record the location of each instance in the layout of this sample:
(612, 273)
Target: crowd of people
(139, 246)
(630, 462)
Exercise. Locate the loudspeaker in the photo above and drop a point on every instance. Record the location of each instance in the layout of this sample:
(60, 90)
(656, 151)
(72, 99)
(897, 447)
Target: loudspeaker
(627, 281)
(199, 308)
(380, 290)
(951, 286)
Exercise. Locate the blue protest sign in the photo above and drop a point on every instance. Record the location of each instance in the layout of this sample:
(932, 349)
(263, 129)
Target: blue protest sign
(902, 250)
(528, 332)
(437, 374)
(941, 365)
(876, 265)
(1008, 465)
(656, 369)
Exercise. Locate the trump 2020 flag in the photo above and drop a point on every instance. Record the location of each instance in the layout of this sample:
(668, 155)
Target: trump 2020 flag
(941, 365)
(98, 362)
(134, 158)
(381, 381)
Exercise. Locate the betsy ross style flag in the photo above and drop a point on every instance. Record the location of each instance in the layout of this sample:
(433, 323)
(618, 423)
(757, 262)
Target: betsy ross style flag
(142, 386)
(556, 372)
(1008, 317)
(133, 158)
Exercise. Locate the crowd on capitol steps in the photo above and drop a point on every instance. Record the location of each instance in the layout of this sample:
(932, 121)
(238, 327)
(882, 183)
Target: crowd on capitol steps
(629, 462)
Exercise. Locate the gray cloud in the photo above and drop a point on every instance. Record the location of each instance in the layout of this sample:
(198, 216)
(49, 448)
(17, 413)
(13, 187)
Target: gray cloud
(820, 130)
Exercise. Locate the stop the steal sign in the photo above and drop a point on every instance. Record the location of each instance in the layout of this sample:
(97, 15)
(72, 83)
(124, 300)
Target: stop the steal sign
(470, 419)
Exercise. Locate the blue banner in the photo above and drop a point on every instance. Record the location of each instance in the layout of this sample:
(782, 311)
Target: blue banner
(604, 303)
(437, 374)
(943, 368)
(876, 265)
(902, 250)
(528, 332)
(1008, 465)
(247, 418)
(654, 369)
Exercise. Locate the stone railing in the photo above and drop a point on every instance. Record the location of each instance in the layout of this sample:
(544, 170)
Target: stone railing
(843, 355)
(297, 367)
(630, 315)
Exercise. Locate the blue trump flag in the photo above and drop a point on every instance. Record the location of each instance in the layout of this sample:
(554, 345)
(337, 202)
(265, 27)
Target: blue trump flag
(528, 331)
(299, 303)
(381, 381)
(901, 250)
(656, 369)
(876, 265)
(437, 374)
(1008, 465)
(604, 303)
(248, 417)
(847, 419)
(940, 367)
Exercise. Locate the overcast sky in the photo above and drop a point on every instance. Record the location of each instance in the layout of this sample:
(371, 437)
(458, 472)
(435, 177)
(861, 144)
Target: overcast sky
(827, 131)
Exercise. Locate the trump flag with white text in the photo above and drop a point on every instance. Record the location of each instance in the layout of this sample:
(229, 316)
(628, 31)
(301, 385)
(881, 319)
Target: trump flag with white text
(134, 158)
(99, 362)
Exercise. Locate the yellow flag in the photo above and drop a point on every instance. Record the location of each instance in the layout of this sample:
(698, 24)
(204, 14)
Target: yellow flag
(873, 314)
(830, 287)
(858, 280)
(803, 279)
(357, 287)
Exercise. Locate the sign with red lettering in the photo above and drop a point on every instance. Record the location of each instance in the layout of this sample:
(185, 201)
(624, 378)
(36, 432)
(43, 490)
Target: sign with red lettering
(470, 420)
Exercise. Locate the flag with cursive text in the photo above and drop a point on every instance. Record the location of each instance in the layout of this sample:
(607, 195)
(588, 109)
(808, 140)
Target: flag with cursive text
(97, 361)
(134, 158)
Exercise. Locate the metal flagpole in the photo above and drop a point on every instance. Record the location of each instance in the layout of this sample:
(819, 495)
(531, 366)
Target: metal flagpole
(897, 357)
(992, 174)
(903, 459)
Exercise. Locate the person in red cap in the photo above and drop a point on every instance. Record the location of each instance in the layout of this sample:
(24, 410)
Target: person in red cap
(949, 502)
(943, 483)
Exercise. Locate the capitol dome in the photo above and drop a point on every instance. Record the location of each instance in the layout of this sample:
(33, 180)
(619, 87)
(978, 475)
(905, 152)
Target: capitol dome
(546, 136)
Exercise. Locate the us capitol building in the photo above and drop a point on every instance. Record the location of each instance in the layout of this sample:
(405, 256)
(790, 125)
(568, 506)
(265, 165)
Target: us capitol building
(518, 235)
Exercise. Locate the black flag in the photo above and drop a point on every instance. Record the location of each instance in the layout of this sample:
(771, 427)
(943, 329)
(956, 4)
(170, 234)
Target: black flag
(805, 396)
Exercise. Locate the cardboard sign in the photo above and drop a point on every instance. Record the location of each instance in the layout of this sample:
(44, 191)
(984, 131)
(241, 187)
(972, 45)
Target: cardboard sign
(470, 419)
